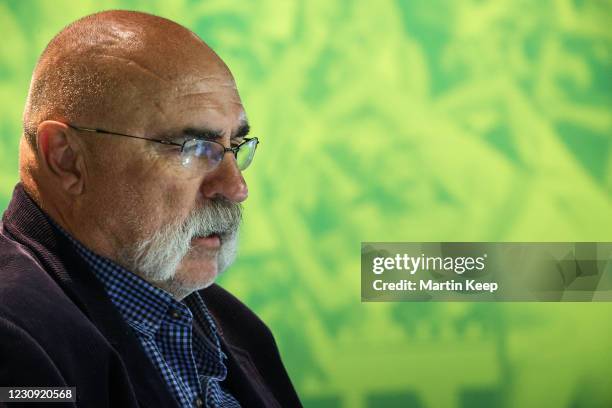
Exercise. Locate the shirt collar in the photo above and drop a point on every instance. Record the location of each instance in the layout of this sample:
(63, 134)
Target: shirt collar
(141, 304)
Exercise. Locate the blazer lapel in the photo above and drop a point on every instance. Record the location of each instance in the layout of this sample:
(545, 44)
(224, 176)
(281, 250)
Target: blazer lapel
(242, 379)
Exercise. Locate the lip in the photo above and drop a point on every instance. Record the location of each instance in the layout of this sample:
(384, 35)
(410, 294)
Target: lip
(210, 241)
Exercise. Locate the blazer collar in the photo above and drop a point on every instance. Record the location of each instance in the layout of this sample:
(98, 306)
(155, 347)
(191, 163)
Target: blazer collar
(29, 225)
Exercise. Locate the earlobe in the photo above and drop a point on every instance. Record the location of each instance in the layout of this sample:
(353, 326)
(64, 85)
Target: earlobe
(59, 157)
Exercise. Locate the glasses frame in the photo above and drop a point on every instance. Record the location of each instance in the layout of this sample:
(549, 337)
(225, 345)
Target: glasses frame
(234, 149)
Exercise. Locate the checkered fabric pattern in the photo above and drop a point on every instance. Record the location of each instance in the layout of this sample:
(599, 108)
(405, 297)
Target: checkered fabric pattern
(191, 363)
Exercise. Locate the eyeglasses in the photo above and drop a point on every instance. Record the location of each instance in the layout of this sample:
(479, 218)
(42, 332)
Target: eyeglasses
(198, 154)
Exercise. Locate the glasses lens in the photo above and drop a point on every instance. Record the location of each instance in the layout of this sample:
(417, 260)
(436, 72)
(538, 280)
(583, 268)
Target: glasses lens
(201, 154)
(246, 153)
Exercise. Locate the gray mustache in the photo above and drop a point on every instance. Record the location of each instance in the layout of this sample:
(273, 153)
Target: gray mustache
(219, 216)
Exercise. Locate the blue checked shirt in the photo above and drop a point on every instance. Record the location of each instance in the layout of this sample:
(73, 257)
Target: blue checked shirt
(181, 339)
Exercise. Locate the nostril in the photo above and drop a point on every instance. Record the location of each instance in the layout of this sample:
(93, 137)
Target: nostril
(227, 181)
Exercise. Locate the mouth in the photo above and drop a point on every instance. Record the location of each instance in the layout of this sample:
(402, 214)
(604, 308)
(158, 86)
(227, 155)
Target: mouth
(212, 241)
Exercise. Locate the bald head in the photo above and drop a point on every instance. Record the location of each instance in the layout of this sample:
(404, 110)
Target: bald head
(110, 68)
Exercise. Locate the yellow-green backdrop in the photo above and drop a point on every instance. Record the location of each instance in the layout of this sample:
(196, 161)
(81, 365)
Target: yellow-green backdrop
(424, 120)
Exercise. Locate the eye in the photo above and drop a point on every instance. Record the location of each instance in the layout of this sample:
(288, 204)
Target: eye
(178, 140)
(167, 148)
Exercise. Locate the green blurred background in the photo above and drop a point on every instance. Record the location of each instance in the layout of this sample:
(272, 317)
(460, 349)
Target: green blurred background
(424, 120)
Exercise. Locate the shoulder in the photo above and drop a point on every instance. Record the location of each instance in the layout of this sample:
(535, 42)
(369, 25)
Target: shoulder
(34, 302)
(25, 287)
(45, 338)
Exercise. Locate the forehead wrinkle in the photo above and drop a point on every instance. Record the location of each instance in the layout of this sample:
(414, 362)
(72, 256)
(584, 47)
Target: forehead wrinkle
(160, 110)
(134, 65)
(196, 94)
(195, 84)
(230, 84)
(211, 97)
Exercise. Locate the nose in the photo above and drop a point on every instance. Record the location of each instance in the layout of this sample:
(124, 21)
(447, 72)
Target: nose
(226, 181)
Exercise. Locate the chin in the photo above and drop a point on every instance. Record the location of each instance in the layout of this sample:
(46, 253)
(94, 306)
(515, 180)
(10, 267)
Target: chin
(198, 274)
(187, 281)
(200, 268)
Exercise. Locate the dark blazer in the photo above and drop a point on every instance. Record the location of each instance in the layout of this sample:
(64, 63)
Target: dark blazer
(58, 328)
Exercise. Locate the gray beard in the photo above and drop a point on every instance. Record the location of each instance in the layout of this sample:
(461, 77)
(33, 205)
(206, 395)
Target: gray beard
(158, 258)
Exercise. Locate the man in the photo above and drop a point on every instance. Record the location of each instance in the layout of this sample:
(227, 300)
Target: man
(128, 209)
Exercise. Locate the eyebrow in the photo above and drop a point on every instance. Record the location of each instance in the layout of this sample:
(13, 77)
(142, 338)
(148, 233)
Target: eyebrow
(242, 131)
(201, 133)
(210, 134)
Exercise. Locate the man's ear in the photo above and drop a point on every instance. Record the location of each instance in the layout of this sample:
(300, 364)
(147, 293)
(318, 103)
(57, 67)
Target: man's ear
(59, 156)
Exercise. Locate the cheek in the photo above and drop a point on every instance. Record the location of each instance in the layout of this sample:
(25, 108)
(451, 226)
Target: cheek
(171, 202)
(147, 187)
(177, 196)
